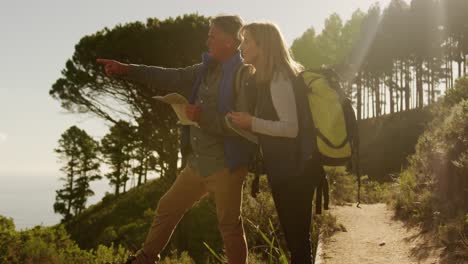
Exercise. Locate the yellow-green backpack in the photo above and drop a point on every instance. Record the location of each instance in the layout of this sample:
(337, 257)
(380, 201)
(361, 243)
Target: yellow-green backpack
(333, 116)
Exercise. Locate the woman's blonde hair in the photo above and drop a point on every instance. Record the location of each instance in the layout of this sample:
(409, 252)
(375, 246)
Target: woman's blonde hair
(275, 56)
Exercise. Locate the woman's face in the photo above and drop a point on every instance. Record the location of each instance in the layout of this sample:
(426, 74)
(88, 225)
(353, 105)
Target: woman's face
(249, 48)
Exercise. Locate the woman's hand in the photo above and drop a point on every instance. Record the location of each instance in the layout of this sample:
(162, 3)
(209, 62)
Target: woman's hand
(241, 119)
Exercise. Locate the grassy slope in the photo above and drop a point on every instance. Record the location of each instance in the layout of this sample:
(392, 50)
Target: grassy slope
(126, 219)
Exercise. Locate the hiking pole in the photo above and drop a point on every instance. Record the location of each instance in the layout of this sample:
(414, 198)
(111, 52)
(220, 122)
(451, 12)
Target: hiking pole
(357, 167)
(358, 173)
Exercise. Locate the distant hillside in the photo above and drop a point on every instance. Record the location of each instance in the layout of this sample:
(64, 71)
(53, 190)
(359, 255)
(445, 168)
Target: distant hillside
(388, 140)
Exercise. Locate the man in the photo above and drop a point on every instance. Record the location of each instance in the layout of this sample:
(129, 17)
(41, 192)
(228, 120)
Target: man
(217, 159)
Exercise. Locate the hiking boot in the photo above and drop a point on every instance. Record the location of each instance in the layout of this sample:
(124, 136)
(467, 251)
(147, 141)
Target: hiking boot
(130, 259)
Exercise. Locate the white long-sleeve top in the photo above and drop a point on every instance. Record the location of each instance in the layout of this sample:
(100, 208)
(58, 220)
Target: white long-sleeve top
(282, 96)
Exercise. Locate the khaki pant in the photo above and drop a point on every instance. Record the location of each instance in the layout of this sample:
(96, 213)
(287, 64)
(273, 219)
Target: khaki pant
(188, 188)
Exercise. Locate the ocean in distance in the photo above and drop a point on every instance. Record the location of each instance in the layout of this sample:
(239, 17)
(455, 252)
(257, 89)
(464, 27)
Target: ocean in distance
(29, 200)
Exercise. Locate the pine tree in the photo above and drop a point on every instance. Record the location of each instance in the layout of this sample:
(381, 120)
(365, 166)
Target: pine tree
(79, 153)
(117, 147)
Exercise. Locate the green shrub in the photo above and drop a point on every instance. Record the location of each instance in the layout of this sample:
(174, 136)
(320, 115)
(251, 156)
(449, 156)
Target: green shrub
(50, 245)
(457, 94)
(432, 190)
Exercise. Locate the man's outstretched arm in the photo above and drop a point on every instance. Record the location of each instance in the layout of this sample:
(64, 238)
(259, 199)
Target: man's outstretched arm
(169, 79)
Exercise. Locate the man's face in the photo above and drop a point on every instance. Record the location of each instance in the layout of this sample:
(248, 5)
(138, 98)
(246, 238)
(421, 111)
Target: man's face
(221, 46)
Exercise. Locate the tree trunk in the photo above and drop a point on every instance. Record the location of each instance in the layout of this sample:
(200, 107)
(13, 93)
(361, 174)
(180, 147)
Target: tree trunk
(419, 85)
(368, 99)
(432, 85)
(145, 169)
(383, 97)
(377, 97)
(372, 96)
(464, 63)
(460, 62)
(70, 191)
(125, 185)
(447, 81)
(358, 96)
(451, 73)
(140, 169)
(117, 180)
(391, 87)
(407, 87)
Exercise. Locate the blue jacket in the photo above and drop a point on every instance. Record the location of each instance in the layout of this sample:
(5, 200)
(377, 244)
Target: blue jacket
(237, 150)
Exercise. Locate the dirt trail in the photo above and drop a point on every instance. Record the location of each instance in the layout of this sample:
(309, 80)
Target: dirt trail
(373, 236)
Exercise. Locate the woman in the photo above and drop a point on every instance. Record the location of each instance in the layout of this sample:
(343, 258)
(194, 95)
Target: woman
(276, 122)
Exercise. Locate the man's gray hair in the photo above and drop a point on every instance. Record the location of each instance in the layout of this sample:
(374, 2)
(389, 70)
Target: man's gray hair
(229, 25)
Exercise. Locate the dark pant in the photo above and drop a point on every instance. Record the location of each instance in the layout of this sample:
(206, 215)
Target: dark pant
(293, 195)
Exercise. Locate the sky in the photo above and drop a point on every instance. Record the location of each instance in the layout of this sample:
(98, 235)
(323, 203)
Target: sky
(37, 37)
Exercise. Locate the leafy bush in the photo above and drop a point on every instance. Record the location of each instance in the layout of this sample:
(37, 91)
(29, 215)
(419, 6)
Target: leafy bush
(432, 190)
(51, 245)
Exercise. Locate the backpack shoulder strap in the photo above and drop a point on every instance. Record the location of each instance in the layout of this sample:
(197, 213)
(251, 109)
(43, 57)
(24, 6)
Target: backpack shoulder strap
(241, 70)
